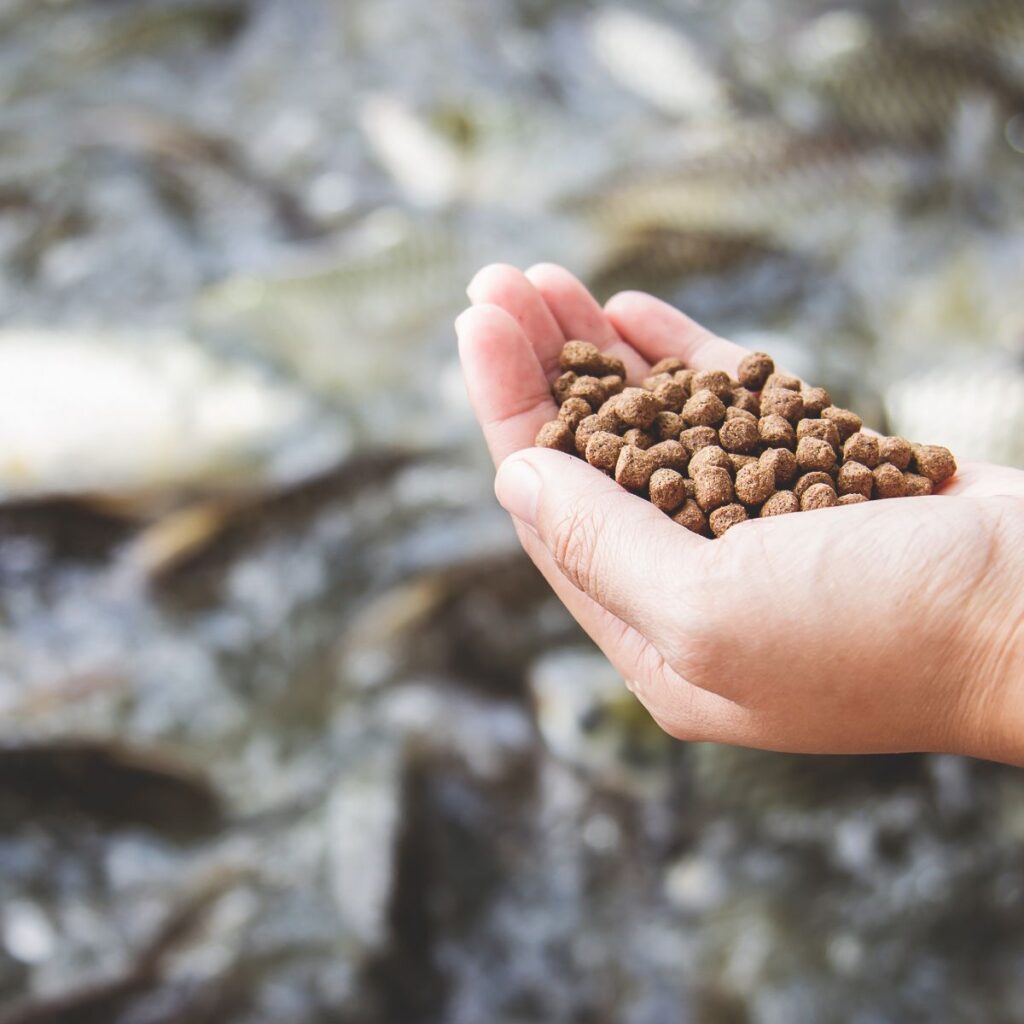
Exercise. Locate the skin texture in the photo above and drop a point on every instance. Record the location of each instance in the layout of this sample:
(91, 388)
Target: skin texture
(885, 626)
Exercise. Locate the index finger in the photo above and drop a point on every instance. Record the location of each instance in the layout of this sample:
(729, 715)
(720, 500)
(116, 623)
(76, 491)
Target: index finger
(507, 386)
(656, 330)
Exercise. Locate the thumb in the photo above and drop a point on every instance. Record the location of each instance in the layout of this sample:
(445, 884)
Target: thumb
(617, 548)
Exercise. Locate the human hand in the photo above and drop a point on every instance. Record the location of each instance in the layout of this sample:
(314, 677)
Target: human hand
(885, 626)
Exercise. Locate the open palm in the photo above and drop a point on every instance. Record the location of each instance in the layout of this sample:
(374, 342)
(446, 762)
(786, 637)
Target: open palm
(885, 626)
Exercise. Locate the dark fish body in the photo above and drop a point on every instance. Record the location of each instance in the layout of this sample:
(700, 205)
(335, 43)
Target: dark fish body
(908, 92)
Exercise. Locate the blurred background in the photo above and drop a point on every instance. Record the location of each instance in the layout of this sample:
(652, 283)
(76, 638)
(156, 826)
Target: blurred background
(289, 729)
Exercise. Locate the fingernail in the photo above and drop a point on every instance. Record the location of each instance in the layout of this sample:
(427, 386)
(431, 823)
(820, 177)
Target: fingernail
(517, 487)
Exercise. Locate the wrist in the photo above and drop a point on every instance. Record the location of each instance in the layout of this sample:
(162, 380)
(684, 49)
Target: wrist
(994, 676)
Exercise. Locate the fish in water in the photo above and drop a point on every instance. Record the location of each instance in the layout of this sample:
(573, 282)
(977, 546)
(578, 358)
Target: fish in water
(910, 92)
(147, 413)
(759, 181)
(317, 317)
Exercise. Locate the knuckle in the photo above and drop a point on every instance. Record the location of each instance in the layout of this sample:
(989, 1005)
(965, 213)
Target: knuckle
(671, 700)
(574, 544)
(694, 649)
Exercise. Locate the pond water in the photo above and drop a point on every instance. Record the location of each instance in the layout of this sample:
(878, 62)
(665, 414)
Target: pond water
(289, 728)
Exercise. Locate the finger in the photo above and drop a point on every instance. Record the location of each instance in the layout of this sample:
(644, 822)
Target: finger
(507, 387)
(505, 286)
(617, 548)
(580, 315)
(656, 330)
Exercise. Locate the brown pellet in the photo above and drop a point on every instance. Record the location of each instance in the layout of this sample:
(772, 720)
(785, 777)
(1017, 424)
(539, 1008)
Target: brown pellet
(684, 377)
(815, 400)
(670, 364)
(718, 382)
(667, 426)
(917, 486)
(704, 409)
(695, 438)
(776, 431)
(650, 382)
(897, 450)
(636, 407)
(822, 429)
(573, 412)
(739, 461)
(746, 400)
(556, 434)
(667, 489)
(583, 358)
(725, 518)
(754, 484)
(638, 438)
(712, 455)
(603, 450)
(814, 454)
(862, 448)
(787, 404)
(889, 482)
(734, 413)
(781, 503)
(818, 496)
(782, 462)
(692, 517)
(590, 389)
(846, 422)
(669, 455)
(784, 380)
(851, 499)
(671, 394)
(713, 487)
(613, 384)
(633, 468)
(934, 462)
(562, 384)
(614, 366)
(609, 418)
(809, 480)
(738, 435)
(587, 428)
(855, 478)
(754, 370)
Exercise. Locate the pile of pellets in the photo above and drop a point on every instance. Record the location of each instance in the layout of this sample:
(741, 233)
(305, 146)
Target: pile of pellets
(712, 451)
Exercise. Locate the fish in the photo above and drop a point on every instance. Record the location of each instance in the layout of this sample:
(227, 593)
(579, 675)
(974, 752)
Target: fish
(756, 180)
(107, 782)
(994, 28)
(342, 321)
(657, 61)
(186, 538)
(147, 415)
(658, 257)
(907, 91)
(176, 148)
(78, 40)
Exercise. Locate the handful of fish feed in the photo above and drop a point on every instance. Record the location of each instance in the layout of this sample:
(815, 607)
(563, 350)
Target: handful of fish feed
(712, 451)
